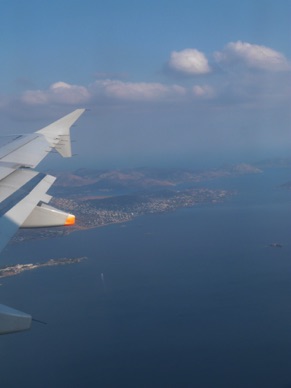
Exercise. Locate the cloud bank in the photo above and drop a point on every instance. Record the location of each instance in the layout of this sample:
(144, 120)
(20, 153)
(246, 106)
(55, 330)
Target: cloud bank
(238, 84)
(203, 91)
(253, 56)
(137, 91)
(59, 92)
(236, 98)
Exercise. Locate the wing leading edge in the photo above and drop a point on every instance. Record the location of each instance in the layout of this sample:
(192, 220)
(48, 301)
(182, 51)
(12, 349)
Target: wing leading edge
(23, 193)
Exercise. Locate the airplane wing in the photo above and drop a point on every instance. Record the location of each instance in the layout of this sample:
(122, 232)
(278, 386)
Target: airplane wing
(23, 193)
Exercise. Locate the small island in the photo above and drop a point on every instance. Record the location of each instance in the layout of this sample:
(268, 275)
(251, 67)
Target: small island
(275, 245)
(17, 269)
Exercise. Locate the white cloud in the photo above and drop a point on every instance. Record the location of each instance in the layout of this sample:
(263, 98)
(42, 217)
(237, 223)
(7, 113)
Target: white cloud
(108, 89)
(203, 91)
(189, 62)
(137, 91)
(235, 87)
(35, 97)
(253, 56)
(59, 92)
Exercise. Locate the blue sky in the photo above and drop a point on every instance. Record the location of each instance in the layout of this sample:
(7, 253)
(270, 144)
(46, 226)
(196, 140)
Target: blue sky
(167, 82)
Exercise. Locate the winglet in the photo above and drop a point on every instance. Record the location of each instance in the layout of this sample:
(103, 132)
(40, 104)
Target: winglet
(57, 134)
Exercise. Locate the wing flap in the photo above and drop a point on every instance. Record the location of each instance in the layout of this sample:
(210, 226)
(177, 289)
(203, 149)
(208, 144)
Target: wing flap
(12, 321)
(44, 216)
(17, 206)
(22, 191)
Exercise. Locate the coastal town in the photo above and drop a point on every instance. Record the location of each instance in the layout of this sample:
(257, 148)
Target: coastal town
(96, 212)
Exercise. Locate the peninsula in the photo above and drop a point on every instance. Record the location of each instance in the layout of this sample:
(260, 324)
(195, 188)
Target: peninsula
(17, 269)
(103, 197)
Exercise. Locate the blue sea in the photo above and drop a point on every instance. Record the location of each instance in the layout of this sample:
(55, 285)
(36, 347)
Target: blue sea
(192, 298)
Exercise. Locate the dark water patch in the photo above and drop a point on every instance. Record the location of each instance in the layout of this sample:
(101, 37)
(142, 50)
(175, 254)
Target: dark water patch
(194, 298)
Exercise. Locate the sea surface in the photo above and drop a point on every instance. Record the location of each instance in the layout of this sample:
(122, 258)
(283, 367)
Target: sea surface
(192, 298)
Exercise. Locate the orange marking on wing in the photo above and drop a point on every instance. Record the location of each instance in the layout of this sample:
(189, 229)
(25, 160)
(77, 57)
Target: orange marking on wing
(70, 220)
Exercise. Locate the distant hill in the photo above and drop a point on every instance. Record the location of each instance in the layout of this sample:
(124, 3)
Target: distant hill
(92, 180)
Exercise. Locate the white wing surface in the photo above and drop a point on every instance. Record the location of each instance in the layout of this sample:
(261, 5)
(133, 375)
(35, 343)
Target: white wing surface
(23, 193)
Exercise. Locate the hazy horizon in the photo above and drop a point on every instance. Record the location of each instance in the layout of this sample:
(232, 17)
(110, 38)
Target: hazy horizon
(167, 82)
